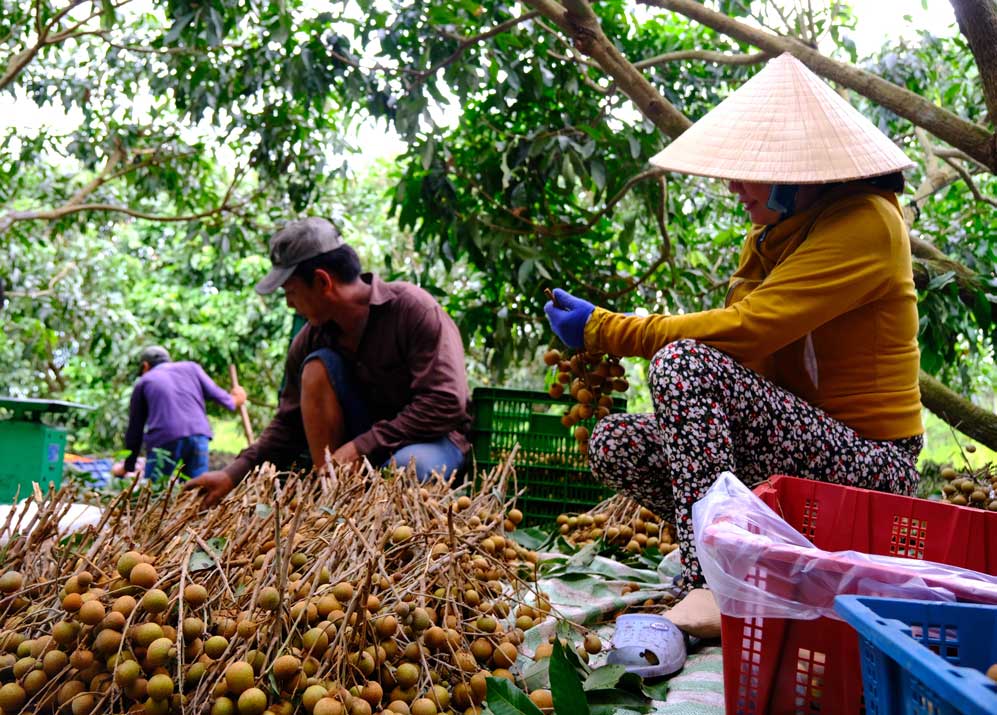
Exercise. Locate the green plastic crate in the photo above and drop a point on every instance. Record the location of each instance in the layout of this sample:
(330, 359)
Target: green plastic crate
(29, 452)
(549, 465)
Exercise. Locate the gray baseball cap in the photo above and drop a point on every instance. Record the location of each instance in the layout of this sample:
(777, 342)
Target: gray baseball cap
(297, 242)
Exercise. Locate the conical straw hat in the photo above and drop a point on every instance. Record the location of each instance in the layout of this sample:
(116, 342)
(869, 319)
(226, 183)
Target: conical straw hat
(783, 126)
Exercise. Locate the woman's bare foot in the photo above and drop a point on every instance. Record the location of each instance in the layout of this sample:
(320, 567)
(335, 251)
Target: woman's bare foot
(697, 614)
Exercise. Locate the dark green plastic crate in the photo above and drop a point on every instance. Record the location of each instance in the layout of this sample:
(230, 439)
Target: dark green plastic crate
(549, 464)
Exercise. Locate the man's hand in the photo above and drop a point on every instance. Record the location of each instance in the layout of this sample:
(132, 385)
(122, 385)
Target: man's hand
(238, 396)
(215, 485)
(118, 470)
(346, 454)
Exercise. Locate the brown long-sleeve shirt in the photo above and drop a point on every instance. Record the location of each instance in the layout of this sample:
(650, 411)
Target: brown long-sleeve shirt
(409, 369)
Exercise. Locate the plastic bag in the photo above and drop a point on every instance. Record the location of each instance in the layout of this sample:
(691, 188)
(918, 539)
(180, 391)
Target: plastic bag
(757, 565)
(17, 519)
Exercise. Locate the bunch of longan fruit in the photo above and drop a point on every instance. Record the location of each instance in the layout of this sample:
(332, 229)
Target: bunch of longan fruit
(621, 521)
(970, 488)
(590, 380)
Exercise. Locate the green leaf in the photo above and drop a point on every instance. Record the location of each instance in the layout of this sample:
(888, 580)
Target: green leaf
(656, 691)
(537, 675)
(201, 559)
(597, 171)
(217, 26)
(107, 15)
(567, 170)
(941, 280)
(614, 700)
(605, 677)
(178, 27)
(982, 310)
(504, 698)
(524, 272)
(565, 684)
(532, 537)
(428, 149)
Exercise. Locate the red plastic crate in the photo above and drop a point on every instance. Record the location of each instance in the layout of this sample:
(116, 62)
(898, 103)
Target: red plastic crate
(775, 666)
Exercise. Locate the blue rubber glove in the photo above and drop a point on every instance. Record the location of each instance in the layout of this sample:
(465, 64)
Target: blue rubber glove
(568, 320)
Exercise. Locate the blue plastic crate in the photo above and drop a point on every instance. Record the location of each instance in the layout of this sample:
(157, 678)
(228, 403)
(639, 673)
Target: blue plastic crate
(95, 473)
(923, 657)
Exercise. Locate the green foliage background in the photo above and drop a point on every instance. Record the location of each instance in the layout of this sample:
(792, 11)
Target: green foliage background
(523, 170)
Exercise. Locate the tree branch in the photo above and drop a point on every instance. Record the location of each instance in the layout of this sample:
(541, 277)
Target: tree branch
(69, 208)
(17, 64)
(968, 136)
(967, 177)
(945, 152)
(52, 214)
(575, 57)
(978, 22)
(576, 19)
(53, 281)
(971, 420)
(706, 56)
(102, 34)
(103, 177)
(46, 37)
(465, 42)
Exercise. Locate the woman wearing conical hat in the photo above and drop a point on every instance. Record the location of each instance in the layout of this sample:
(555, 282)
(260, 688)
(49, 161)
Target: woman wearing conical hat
(811, 368)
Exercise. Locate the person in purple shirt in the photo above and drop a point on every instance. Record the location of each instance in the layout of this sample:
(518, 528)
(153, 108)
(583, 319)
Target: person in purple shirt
(167, 413)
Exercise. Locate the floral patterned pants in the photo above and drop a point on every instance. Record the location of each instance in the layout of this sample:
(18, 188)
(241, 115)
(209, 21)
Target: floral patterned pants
(712, 414)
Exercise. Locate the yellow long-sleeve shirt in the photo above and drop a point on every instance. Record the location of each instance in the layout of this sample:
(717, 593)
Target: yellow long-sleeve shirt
(824, 306)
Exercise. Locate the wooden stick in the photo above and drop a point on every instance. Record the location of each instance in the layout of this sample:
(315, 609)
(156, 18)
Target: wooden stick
(247, 426)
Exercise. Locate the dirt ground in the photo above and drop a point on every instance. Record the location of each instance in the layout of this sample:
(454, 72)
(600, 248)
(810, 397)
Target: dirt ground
(217, 460)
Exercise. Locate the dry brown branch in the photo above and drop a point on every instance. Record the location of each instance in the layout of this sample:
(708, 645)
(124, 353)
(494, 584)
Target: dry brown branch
(356, 556)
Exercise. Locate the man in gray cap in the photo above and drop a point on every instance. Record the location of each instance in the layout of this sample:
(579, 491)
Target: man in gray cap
(167, 413)
(377, 371)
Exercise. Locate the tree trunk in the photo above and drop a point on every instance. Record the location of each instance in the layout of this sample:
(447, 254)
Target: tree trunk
(978, 23)
(962, 414)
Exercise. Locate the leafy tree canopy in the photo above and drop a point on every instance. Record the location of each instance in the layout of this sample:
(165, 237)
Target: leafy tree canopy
(195, 126)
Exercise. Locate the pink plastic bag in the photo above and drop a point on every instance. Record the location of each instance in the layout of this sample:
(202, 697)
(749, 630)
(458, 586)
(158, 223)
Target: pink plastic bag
(758, 565)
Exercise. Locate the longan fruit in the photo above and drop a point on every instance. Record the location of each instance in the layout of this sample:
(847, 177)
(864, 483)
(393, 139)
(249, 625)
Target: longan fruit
(195, 594)
(593, 644)
(11, 581)
(252, 702)
(143, 575)
(542, 699)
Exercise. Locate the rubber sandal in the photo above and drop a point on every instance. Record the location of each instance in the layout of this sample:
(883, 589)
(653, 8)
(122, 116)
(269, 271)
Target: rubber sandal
(648, 645)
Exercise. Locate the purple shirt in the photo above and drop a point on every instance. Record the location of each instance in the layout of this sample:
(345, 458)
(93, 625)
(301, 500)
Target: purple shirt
(168, 403)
